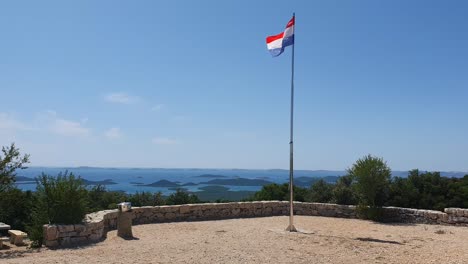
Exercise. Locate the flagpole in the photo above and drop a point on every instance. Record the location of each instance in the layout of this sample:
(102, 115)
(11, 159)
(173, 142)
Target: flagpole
(291, 227)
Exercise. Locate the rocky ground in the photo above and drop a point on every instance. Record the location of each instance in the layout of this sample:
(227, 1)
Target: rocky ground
(263, 240)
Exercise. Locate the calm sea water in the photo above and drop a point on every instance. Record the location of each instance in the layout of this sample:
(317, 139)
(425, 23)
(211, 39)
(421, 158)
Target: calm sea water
(124, 177)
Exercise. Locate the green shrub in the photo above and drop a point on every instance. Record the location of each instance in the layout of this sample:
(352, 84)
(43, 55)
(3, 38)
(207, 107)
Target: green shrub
(370, 213)
(320, 192)
(372, 184)
(15, 207)
(343, 192)
(58, 200)
(278, 192)
(182, 197)
(99, 198)
(64, 196)
(146, 199)
(39, 218)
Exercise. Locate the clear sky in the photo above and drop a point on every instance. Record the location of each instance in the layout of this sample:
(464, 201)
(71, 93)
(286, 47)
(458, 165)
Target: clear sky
(191, 84)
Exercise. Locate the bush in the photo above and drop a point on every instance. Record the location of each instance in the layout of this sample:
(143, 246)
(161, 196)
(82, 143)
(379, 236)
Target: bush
(15, 208)
(101, 199)
(278, 192)
(343, 192)
(320, 192)
(372, 181)
(146, 199)
(371, 213)
(65, 197)
(182, 197)
(59, 200)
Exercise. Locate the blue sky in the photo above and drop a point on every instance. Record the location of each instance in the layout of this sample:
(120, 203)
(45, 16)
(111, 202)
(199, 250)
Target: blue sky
(191, 84)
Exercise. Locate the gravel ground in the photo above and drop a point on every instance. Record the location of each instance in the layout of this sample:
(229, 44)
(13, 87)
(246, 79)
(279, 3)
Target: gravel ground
(263, 240)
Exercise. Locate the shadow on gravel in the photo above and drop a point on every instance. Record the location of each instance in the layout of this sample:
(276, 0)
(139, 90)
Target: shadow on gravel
(9, 254)
(369, 239)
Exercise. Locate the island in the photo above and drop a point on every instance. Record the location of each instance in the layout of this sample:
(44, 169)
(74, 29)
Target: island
(103, 182)
(161, 183)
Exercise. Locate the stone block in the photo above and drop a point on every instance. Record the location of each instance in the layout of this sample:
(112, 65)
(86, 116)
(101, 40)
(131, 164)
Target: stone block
(169, 216)
(95, 237)
(185, 209)
(65, 228)
(85, 233)
(67, 234)
(78, 240)
(450, 210)
(80, 228)
(51, 232)
(51, 243)
(65, 241)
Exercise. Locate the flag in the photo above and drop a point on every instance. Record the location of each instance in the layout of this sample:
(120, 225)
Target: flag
(277, 43)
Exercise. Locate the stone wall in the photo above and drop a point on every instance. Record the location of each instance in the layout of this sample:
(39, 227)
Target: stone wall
(96, 225)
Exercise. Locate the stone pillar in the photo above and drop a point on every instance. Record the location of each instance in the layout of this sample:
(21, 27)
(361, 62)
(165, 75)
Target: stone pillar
(124, 224)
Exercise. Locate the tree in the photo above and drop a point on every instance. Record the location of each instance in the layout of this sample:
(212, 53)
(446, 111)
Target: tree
(278, 192)
(147, 199)
(99, 198)
(15, 207)
(65, 198)
(372, 180)
(182, 197)
(343, 192)
(57, 200)
(320, 192)
(10, 161)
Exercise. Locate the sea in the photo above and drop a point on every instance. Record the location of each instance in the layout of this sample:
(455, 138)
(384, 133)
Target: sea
(131, 180)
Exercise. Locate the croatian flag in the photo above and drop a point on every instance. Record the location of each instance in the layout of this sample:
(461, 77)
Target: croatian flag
(277, 43)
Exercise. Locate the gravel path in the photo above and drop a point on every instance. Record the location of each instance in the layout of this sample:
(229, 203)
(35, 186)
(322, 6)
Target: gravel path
(263, 240)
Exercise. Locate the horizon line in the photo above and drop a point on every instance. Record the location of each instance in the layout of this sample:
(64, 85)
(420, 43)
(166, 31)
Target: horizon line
(204, 168)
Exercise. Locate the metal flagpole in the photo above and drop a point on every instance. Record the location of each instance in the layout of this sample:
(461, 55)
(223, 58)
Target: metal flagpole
(291, 227)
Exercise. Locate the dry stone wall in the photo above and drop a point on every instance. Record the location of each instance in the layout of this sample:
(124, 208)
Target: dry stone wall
(96, 225)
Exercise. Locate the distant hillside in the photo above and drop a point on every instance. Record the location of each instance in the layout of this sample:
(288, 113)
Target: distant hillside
(238, 182)
(161, 183)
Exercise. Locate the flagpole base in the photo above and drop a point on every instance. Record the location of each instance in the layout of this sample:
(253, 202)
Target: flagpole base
(291, 228)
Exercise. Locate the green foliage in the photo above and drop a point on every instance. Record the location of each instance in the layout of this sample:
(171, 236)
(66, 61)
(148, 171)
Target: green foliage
(182, 197)
(272, 192)
(429, 191)
(39, 217)
(372, 180)
(99, 198)
(343, 192)
(280, 193)
(58, 200)
(320, 192)
(15, 207)
(147, 199)
(64, 198)
(10, 161)
(371, 213)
